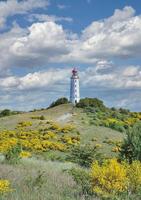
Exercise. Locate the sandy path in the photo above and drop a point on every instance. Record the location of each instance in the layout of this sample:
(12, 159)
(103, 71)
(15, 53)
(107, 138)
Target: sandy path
(64, 118)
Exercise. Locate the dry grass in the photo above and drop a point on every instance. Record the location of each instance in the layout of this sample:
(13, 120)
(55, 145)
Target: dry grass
(39, 180)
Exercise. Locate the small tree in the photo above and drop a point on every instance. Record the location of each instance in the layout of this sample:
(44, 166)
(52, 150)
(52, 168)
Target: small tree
(91, 102)
(84, 155)
(59, 101)
(5, 112)
(131, 147)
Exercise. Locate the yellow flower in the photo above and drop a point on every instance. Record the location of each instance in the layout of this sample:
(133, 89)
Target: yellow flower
(134, 175)
(116, 149)
(4, 186)
(98, 145)
(109, 178)
(25, 154)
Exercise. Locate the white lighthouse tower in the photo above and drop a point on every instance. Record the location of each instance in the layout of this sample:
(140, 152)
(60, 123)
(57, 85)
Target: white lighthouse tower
(74, 87)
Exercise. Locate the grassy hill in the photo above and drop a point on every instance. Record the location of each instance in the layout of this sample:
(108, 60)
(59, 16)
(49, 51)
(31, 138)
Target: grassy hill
(45, 176)
(64, 114)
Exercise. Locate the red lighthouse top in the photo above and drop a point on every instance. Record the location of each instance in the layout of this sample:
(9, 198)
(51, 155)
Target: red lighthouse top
(74, 71)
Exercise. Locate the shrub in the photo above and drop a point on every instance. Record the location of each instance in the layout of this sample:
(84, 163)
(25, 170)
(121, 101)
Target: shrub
(25, 154)
(24, 124)
(5, 112)
(91, 102)
(42, 117)
(131, 147)
(113, 178)
(5, 186)
(83, 179)
(109, 178)
(134, 176)
(84, 155)
(59, 101)
(12, 155)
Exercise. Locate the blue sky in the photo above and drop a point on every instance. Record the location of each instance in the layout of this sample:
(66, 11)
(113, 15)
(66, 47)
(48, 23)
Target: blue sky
(40, 41)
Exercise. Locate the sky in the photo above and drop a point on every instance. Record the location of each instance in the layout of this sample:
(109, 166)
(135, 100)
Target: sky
(41, 41)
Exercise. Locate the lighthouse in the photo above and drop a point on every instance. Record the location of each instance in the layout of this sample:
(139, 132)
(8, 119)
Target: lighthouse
(74, 87)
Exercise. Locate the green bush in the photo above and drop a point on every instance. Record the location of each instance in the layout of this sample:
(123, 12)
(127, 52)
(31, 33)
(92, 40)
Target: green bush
(83, 179)
(7, 112)
(131, 147)
(12, 156)
(91, 102)
(59, 101)
(42, 117)
(84, 155)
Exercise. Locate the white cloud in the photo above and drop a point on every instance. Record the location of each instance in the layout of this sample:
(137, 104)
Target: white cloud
(131, 71)
(46, 42)
(13, 7)
(62, 6)
(35, 80)
(48, 18)
(117, 36)
(127, 77)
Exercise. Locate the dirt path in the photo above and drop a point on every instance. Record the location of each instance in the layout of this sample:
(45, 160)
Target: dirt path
(64, 118)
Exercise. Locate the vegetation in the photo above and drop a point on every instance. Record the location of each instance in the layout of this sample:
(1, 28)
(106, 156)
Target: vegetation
(59, 101)
(25, 139)
(42, 117)
(4, 186)
(113, 178)
(44, 157)
(99, 115)
(7, 112)
(131, 147)
(84, 155)
(83, 179)
(91, 102)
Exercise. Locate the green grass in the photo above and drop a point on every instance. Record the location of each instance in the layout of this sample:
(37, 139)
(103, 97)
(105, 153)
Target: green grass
(77, 117)
(41, 178)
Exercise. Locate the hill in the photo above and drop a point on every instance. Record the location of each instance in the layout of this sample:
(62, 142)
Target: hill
(67, 114)
(48, 137)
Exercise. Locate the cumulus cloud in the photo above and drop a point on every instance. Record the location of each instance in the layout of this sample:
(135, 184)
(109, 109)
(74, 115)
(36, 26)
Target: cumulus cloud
(40, 88)
(35, 80)
(46, 41)
(117, 36)
(127, 77)
(13, 7)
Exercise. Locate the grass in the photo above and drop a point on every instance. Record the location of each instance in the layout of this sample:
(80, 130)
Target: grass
(43, 178)
(77, 117)
(39, 180)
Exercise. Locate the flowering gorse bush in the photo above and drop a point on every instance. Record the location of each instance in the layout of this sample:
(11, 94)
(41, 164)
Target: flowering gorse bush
(134, 176)
(5, 186)
(112, 178)
(109, 178)
(24, 140)
(25, 154)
